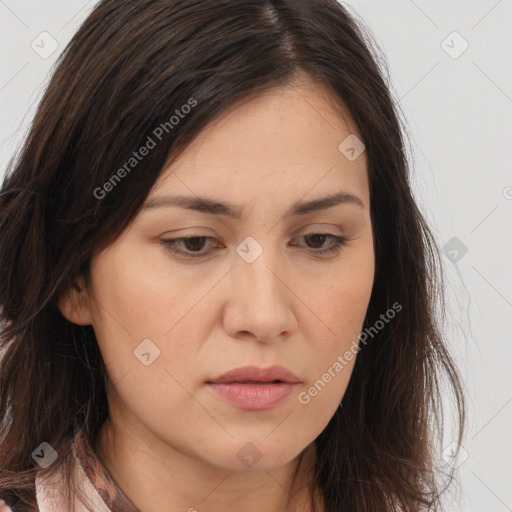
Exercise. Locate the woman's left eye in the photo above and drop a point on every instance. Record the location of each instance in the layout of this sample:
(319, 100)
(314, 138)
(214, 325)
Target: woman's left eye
(196, 243)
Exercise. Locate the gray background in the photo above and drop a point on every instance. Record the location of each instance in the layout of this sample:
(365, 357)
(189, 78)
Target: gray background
(458, 109)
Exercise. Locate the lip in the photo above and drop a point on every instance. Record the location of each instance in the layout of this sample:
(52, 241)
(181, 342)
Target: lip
(256, 374)
(252, 388)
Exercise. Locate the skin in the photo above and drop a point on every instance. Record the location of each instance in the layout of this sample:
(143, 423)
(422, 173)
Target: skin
(170, 440)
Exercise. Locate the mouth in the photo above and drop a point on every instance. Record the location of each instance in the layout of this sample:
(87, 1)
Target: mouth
(255, 375)
(254, 389)
(255, 382)
(253, 395)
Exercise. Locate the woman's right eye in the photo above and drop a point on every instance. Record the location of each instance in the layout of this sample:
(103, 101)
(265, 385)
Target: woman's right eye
(194, 245)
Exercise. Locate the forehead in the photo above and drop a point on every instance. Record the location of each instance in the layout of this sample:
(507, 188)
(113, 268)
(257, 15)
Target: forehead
(285, 140)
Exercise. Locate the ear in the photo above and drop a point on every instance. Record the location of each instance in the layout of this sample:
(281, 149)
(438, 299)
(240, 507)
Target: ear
(74, 303)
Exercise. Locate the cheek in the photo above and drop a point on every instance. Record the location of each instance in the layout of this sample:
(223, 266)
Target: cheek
(333, 354)
(140, 324)
(134, 289)
(137, 300)
(341, 306)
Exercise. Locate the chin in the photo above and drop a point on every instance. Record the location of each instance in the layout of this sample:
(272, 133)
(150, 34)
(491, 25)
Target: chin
(255, 454)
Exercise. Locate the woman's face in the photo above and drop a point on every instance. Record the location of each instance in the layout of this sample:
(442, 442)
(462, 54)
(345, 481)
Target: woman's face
(260, 289)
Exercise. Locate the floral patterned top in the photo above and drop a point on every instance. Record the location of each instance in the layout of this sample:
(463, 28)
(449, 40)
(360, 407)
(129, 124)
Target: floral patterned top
(98, 484)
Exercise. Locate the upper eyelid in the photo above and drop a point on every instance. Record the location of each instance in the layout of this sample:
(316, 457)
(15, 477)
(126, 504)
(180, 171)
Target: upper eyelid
(319, 228)
(335, 238)
(301, 234)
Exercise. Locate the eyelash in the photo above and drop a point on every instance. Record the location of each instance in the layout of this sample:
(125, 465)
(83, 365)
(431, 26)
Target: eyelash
(339, 243)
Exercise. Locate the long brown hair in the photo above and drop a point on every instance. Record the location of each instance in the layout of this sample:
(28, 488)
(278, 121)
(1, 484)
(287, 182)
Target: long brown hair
(126, 71)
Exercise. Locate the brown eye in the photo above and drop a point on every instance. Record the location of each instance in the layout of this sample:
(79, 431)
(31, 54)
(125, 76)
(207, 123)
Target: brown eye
(192, 245)
(318, 239)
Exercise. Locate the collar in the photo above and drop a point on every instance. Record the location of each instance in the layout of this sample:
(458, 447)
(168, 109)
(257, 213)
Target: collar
(94, 482)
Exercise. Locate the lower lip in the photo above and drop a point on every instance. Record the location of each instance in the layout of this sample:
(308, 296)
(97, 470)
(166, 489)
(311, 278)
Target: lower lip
(253, 397)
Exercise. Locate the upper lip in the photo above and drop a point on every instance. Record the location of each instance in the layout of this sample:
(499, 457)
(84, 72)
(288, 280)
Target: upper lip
(256, 374)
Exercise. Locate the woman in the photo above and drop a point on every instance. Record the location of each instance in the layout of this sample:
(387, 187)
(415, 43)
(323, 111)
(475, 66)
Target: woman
(217, 288)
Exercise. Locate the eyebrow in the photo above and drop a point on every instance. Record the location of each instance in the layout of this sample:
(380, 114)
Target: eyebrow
(214, 207)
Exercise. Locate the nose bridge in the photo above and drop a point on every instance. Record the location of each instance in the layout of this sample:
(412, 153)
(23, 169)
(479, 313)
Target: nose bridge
(255, 268)
(258, 298)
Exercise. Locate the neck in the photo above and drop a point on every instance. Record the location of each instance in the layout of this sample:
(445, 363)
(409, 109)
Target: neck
(150, 472)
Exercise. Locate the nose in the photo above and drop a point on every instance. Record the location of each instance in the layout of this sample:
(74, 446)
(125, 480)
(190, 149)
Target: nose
(260, 300)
